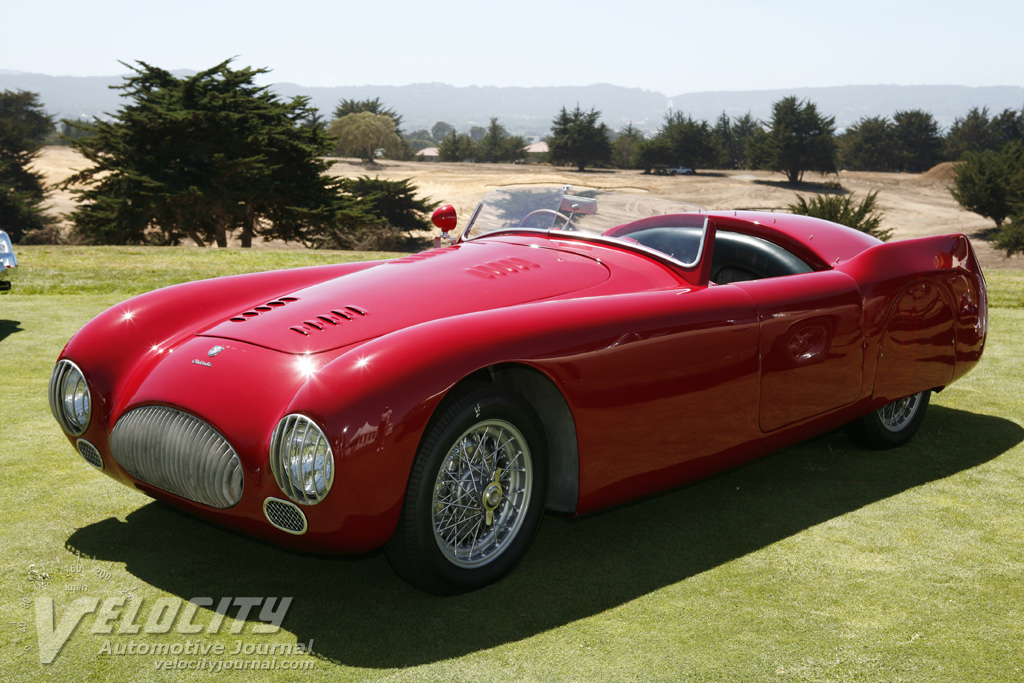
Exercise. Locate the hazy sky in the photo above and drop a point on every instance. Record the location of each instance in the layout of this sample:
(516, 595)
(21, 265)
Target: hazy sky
(672, 47)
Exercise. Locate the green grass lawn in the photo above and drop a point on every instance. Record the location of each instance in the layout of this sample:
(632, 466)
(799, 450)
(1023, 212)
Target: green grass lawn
(822, 562)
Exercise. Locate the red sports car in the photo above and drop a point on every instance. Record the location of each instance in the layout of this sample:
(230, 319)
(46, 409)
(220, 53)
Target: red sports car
(567, 351)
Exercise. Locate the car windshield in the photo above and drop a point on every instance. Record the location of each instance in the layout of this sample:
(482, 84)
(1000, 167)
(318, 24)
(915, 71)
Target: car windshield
(593, 214)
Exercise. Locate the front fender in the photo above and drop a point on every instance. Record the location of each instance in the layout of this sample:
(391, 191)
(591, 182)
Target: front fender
(376, 400)
(117, 349)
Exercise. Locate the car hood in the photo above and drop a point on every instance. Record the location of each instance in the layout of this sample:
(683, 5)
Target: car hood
(408, 291)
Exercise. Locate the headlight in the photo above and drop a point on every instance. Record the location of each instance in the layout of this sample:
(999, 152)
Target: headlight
(301, 459)
(70, 401)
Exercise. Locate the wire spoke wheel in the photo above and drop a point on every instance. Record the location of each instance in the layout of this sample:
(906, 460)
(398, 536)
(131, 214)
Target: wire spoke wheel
(482, 493)
(897, 415)
(476, 492)
(894, 424)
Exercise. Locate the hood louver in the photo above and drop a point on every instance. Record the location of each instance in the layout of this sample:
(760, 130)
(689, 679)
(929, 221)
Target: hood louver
(413, 290)
(325, 321)
(318, 323)
(508, 266)
(265, 308)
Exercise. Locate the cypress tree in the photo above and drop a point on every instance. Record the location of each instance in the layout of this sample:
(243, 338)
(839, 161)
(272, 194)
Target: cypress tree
(203, 157)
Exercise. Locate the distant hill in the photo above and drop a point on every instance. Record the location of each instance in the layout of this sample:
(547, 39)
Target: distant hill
(851, 102)
(523, 111)
(529, 111)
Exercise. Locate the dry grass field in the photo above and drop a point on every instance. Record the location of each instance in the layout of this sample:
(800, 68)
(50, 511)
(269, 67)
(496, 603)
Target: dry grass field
(914, 204)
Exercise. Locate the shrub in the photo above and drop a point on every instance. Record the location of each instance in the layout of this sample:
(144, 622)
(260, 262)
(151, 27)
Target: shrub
(388, 212)
(371, 237)
(48, 235)
(842, 210)
(988, 183)
(1010, 238)
(393, 201)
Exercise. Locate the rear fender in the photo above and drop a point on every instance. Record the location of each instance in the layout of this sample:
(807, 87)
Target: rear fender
(926, 313)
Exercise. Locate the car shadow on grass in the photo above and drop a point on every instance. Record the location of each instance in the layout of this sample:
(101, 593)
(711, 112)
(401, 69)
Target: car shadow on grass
(360, 614)
(9, 327)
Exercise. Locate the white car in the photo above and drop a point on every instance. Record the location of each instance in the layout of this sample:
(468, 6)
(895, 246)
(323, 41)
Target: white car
(8, 261)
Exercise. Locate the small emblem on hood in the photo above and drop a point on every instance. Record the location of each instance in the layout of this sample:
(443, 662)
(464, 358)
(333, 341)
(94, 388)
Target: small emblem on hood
(214, 351)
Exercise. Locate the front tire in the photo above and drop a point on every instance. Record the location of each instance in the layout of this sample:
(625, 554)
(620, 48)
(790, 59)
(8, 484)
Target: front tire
(476, 494)
(892, 425)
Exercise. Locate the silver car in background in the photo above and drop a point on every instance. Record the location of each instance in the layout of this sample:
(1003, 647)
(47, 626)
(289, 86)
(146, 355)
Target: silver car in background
(8, 261)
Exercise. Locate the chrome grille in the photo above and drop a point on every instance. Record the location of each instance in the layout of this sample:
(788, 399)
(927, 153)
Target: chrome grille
(285, 515)
(178, 453)
(90, 453)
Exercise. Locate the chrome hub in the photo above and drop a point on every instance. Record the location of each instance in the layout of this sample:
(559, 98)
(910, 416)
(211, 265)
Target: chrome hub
(492, 498)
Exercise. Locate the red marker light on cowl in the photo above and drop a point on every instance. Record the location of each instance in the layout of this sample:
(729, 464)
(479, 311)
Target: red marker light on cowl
(445, 218)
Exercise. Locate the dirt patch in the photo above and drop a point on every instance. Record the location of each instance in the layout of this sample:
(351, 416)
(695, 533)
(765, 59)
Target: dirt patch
(57, 164)
(915, 205)
(943, 171)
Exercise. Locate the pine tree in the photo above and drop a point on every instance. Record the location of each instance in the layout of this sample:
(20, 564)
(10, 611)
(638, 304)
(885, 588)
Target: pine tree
(690, 142)
(497, 145)
(991, 183)
(578, 138)
(456, 147)
(869, 145)
(652, 153)
(625, 146)
(23, 129)
(972, 132)
(800, 139)
(724, 143)
(918, 143)
(202, 157)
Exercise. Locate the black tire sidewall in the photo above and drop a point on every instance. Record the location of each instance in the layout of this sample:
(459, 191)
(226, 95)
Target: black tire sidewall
(432, 569)
(869, 430)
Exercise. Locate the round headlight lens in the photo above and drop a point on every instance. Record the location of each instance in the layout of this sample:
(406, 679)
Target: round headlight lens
(70, 401)
(301, 459)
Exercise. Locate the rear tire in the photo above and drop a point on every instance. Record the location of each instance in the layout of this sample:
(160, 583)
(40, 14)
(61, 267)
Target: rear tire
(476, 494)
(892, 425)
